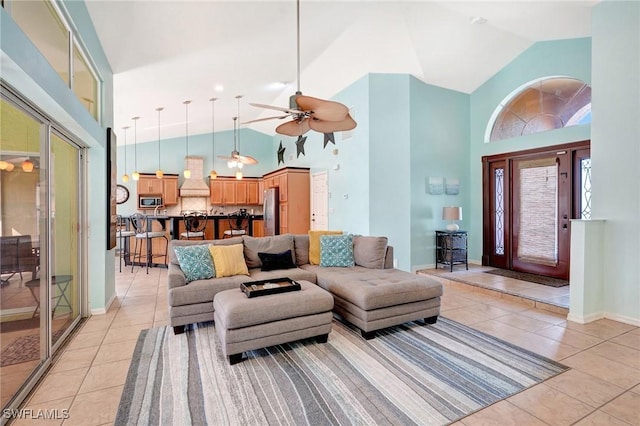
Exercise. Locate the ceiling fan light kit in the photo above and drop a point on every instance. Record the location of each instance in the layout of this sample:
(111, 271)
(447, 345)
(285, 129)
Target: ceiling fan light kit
(235, 160)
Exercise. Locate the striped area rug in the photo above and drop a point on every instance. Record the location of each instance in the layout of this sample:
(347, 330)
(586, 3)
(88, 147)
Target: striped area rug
(410, 374)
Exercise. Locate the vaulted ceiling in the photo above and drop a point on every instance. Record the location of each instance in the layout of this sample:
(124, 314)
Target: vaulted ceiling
(165, 52)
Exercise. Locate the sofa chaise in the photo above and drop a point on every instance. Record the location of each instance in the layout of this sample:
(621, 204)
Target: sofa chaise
(370, 295)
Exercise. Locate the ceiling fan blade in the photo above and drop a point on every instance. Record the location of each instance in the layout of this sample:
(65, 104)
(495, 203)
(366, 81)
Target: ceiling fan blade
(265, 119)
(323, 126)
(294, 128)
(246, 159)
(323, 109)
(226, 158)
(276, 108)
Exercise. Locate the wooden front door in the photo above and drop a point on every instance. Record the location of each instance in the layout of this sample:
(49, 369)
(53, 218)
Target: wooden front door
(529, 199)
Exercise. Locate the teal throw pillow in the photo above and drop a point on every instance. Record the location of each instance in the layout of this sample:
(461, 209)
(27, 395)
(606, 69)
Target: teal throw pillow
(195, 262)
(336, 250)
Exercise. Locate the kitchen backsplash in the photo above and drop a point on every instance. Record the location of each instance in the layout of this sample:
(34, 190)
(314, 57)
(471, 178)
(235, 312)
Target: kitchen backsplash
(204, 204)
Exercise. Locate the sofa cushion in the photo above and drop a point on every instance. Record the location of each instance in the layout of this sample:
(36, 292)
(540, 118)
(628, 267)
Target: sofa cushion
(185, 243)
(295, 274)
(228, 260)
(301, 244)
(271, 261)
(375, 288)
(314, 244)
(195, 262)
(336, 250)
(369, 252)
(274, 244)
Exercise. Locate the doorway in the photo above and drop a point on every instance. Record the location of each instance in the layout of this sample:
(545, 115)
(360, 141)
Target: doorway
(40, 214)
(529, 199)
(319, 201)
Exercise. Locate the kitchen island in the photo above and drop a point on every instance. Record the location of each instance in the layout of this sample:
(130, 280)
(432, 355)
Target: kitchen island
(216, 225)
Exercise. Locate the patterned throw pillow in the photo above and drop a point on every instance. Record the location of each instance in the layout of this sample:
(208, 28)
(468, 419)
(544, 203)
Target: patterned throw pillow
(336, 250)
(195, 262)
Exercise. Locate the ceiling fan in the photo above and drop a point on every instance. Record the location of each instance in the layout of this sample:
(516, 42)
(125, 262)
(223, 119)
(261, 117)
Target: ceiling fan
(237, 160)
(306, 112)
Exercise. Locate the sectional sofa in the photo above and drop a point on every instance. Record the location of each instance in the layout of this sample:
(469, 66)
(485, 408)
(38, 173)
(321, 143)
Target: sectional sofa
(370, 295)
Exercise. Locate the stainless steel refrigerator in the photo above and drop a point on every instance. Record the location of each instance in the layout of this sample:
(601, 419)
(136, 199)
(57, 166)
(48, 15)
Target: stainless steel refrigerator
(271, 211)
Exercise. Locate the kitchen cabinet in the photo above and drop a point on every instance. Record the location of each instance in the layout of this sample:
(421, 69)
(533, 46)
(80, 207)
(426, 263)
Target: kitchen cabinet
(229, 191)
(215, 190)
(170, 190)
(149, 185)
(258, 228)
(241, 192)
(253, 192)
(293, 185)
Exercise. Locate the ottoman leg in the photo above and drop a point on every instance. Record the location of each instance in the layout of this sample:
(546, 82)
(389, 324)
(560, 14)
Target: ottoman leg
(235, 358)
(431, 320)
(368, 335)
(322, 338)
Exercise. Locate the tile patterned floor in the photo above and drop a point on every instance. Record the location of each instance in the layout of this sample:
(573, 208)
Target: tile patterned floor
(602, 388)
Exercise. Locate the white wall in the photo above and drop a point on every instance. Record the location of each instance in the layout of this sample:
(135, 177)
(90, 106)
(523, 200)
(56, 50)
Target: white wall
(615, 152)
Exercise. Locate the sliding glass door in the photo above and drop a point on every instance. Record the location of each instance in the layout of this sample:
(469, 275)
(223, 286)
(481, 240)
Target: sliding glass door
(40, 205)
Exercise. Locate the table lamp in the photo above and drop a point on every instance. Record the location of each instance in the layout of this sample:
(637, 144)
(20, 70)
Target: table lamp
(451, 214)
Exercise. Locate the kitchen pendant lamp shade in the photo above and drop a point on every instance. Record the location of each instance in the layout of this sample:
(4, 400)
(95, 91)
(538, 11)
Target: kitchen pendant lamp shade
(27, 166)
(125, 176)
(187, 173)
(135, 175)
(239, 175)
(159, 172)
(452, 214)
(213, 174)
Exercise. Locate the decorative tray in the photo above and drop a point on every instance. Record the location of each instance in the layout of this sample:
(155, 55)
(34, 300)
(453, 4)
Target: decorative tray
(272, 286)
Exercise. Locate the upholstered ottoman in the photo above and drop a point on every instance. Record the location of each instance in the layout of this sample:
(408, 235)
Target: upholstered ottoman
(244, 324)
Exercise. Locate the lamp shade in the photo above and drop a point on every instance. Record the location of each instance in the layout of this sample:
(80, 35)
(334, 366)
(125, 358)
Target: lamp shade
(452, 213)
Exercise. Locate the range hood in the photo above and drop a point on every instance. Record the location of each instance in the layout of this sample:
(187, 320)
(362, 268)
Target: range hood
(195, 186)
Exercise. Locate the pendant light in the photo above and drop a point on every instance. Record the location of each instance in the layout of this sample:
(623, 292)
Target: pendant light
(213, 174)
(125, 176)
(187, 172)
(135, 175)
(159, 172)
(27, 165)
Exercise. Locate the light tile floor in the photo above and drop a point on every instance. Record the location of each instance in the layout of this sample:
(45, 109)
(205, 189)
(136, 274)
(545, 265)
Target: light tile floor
(602, 387)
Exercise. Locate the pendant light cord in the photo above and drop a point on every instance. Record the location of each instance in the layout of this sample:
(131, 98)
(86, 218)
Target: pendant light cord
(159, 110)
(135, 142)
(298, 39)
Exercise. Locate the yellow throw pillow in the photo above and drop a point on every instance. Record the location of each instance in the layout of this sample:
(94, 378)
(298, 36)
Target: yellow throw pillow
(229, 260)
(314, 244)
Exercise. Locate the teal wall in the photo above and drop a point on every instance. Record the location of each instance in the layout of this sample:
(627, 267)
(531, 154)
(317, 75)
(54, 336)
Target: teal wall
(615, 152)
(439, 148)
(570, 58)
(28, 72)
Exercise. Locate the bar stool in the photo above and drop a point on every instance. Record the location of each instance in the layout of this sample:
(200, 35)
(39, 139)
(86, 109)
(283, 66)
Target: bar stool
(143, 233)
(123, 233)
(238, 225)
(194, 224)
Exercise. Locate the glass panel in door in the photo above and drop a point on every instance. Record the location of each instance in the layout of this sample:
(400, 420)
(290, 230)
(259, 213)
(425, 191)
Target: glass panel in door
(65, 298)
(541, 210)
(21, 328)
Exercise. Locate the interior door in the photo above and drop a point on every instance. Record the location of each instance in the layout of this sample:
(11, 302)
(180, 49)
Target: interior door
(541, 209)
(319, 201)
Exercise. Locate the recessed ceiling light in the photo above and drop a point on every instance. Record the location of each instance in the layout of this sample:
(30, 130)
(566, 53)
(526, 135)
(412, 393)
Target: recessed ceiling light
(219, 88)
(478, 20)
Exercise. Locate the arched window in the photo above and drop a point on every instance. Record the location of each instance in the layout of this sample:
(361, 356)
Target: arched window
(545, 104)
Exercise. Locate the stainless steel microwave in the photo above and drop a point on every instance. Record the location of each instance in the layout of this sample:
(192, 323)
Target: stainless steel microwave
(150, 201)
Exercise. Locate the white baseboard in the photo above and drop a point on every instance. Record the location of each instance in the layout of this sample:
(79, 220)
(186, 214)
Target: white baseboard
(418, 267)
(624, 319)
(102, 311)
(584, 319)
